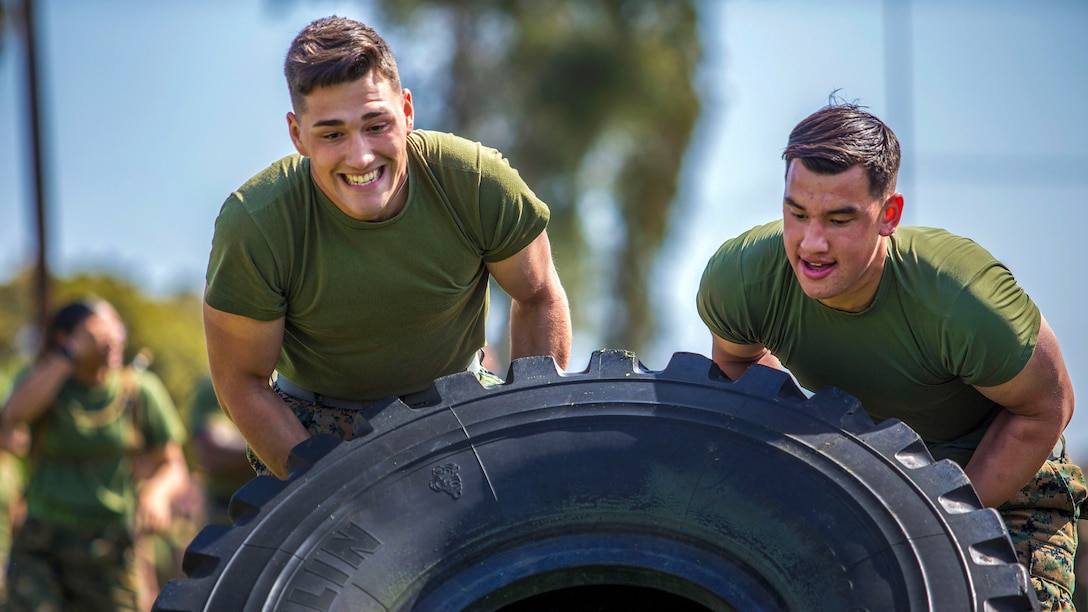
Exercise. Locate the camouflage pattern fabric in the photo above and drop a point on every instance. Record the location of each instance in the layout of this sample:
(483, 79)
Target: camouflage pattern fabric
(1042, 523)
(57, 569)
(340, 422)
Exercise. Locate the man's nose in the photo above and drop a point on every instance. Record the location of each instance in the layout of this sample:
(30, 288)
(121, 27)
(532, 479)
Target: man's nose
(361, 154)
(814, 239)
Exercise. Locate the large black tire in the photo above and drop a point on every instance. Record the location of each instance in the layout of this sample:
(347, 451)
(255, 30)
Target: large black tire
(675, 489)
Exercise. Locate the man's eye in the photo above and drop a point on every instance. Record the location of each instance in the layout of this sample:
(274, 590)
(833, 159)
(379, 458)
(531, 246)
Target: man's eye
(377, 127)
(331, 136)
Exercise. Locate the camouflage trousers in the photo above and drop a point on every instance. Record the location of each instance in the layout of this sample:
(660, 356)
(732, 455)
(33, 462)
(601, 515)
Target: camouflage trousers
(340, 422)
(1042, 523)
(57, 569)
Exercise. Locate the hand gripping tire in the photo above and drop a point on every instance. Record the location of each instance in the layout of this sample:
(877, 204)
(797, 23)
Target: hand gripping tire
(615, 488)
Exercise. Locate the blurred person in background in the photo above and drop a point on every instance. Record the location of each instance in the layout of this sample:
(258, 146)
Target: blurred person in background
(95, 426)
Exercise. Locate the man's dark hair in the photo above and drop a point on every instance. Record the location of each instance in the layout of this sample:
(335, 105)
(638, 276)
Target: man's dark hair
(334, 50)
(842, 135)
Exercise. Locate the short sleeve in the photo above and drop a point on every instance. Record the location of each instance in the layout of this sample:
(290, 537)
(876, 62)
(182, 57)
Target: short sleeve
(991, 328)
(242, 271)
(512, 216)
(731, 288)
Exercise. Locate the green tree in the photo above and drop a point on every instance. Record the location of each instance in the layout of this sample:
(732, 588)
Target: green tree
(594, 103)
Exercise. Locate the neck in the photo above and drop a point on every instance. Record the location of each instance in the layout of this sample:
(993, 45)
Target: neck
(396, 204)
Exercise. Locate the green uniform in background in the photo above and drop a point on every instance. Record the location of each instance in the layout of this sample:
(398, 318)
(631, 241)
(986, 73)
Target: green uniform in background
(76, 546)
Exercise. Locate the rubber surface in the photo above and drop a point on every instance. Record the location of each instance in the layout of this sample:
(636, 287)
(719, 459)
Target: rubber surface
(615, 486)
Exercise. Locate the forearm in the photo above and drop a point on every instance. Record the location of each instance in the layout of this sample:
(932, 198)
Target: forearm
(735, 364)
(1009, 455)
(269, 426)
(34, 394)
(541, 328)
(242, 355)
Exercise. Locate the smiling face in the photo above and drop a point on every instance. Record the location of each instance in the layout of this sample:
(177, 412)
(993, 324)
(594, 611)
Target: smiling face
(834, 233)
(355, 135)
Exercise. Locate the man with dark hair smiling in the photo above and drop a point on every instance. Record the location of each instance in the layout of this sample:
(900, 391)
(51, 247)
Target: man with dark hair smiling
(917, 323)
(358, 269)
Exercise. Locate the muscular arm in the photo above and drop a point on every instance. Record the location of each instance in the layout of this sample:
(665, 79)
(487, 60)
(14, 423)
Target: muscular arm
(1038, 404)
(735, 359)
(539, 314)
(242, 354)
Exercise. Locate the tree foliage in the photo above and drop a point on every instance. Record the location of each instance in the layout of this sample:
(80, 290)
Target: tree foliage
(594, 103)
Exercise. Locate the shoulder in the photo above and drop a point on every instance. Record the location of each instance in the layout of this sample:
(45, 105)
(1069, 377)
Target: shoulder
(260, 205)
(976, 298)
(445, 153)
(752, 255)
(279, 182)
(743, 282)
(442, 149)
(754, 260)
(938, 266)
(933, 246)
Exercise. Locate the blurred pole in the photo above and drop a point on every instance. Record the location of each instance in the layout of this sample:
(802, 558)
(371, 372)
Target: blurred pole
(41, 267)
(899, 89)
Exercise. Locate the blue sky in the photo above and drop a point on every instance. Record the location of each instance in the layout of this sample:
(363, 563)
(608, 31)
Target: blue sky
(157, 110)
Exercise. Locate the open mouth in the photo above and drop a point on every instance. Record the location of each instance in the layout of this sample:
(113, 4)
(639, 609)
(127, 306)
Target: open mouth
(817, 269)
(362, 180)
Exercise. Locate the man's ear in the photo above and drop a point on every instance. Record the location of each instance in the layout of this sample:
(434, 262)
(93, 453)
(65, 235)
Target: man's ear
(891, 214)
(409, 109)
(295, 131)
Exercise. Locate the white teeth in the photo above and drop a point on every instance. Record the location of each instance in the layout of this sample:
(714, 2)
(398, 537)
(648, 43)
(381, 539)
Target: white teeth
(364, 179)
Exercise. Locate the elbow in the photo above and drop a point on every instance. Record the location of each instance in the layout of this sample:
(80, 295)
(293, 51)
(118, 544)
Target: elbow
(1067, 411)
(548, 298)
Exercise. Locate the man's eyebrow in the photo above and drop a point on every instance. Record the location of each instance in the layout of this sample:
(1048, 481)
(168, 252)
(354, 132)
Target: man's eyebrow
(339, 122)
(849, 209)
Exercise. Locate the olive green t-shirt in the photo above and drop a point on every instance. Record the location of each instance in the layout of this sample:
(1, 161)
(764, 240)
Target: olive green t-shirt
(946, 316)
(81, 468)
(374, 309)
